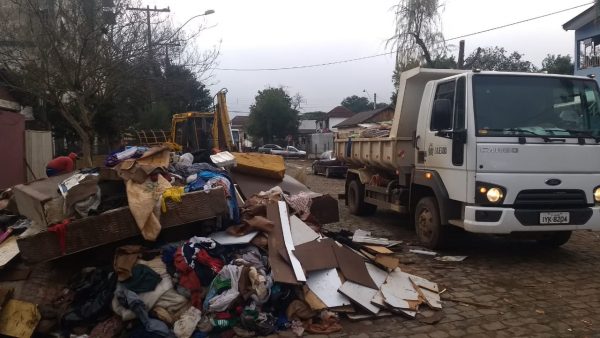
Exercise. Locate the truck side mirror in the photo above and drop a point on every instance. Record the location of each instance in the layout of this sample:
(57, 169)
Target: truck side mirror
(441, 116)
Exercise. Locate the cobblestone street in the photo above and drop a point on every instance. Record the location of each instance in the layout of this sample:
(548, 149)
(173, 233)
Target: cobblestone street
(505, 288)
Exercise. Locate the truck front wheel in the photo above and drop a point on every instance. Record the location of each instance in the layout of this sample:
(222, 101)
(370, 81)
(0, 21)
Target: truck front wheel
(429, 229)
(356, 200)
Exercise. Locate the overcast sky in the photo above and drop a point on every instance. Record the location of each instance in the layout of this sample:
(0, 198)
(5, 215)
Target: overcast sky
(283, 33)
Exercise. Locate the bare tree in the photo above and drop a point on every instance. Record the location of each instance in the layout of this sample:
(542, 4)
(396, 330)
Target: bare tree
(418, 35)
(76, 55)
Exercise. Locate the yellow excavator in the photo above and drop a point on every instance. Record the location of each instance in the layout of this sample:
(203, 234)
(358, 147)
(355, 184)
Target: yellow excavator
(196, 131)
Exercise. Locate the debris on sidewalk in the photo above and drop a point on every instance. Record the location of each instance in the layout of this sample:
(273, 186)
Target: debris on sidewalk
(362, 236)
(423, 252)
(450, 258)
(262, 266)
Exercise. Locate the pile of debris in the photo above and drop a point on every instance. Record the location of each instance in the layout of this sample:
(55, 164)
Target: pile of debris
(265, 267)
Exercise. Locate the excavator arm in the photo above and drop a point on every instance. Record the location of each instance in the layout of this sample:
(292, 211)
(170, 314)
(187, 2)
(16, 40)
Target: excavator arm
(222, 126)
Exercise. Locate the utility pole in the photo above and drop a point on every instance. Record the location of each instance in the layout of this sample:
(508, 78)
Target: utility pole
(150, 54)
(148, 10)
(374, 101)
(461, 54)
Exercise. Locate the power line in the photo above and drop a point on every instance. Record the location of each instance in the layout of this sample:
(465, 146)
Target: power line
(392, 52)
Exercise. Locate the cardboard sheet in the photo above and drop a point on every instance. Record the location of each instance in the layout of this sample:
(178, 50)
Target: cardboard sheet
(282, 271)
(289, 243)
(325, 284)
(317, 255)
(353, 266)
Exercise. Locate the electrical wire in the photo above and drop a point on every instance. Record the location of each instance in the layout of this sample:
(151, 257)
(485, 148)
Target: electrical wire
(393, 52)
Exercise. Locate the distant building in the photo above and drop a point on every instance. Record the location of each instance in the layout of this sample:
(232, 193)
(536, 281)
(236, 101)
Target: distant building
(352, 124)
(239, 128)
(337, 115)
(587, 42)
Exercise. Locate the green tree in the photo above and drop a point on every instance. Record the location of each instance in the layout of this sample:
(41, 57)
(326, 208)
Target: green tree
(88, 60)
(272, 117)
(558, 64)
(357, 104)
(497, 58)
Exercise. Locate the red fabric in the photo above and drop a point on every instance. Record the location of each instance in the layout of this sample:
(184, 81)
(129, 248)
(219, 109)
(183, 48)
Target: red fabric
(61, 231)
(64, 164)
(223, 315)
(188, 278)
(214, 264)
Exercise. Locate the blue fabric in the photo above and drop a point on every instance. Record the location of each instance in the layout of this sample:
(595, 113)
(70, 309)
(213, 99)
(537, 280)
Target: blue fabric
(208, 174)
(196, 185)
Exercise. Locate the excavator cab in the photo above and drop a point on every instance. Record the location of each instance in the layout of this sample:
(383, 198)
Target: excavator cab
(196, 132)
(193, 131)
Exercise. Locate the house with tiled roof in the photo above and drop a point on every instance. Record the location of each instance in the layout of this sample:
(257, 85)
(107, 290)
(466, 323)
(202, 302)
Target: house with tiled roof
(338, 115)
(353, 123)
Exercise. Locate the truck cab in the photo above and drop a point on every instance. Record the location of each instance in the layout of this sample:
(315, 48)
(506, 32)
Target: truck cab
(490, 152)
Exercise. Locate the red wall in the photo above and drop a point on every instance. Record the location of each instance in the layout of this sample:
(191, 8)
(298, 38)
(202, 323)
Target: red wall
(12, 149)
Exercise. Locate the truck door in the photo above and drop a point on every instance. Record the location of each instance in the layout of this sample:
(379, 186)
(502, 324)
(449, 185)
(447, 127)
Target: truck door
(445, 137)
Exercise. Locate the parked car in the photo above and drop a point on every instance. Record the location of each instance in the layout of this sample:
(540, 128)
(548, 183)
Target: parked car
(329, 166)
(268, 148)
(289, 151)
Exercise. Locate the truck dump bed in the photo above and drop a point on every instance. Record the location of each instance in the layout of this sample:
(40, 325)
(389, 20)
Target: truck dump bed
(397, 150)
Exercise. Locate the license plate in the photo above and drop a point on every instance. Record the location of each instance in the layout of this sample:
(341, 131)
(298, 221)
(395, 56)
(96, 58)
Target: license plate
(554, 218)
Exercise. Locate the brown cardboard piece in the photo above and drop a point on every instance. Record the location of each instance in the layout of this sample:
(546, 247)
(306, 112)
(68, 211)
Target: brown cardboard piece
(282, 271)
(40, 200)
(317, 255)
(353, 266)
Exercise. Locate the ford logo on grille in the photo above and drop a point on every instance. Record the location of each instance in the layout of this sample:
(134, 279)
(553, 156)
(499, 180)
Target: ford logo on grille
(553, 181)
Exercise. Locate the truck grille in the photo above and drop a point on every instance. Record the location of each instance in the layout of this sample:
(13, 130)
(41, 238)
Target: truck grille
(550, 199)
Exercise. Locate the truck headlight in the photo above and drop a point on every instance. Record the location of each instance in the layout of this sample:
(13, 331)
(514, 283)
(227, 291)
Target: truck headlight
(488, 193)
(597, 194)
(494, 195)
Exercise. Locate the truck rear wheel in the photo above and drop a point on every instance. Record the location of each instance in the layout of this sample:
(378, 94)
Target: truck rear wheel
(555, 239)
(429, 229)
(356, 200)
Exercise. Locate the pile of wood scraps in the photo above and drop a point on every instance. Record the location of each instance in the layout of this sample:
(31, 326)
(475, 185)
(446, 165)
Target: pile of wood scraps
(361, 278)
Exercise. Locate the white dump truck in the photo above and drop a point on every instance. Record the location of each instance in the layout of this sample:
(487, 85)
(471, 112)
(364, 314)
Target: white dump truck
(489, 152)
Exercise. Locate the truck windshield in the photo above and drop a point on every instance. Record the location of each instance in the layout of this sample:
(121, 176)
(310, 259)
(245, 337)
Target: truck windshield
(517, 105)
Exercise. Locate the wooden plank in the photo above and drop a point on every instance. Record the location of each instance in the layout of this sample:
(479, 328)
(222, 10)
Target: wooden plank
(325, 284)
(361, 295)
(387, 261)
(282, 271)
(317, 255)
(424, 283)
(398, 287)
(118, 224)
(376, 249)
(312, 299)
(301, 232)
(289, 242)
(353, 266)
(8, 251)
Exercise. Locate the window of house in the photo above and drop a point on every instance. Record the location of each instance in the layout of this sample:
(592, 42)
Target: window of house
(589, 53)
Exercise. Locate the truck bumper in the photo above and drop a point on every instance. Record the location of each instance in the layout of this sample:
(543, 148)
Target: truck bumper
(506, 220)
